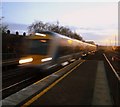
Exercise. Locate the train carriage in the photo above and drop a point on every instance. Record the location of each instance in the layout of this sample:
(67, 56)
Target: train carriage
(45, 50)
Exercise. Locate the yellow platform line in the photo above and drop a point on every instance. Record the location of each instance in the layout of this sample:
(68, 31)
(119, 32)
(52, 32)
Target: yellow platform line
(49, 87)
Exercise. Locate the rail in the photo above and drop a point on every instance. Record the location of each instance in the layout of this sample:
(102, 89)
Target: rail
(114, 82)
(9, 59)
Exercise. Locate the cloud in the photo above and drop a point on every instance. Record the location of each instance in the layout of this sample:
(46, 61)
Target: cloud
(100, 36)
(91, 15)
(13, 27)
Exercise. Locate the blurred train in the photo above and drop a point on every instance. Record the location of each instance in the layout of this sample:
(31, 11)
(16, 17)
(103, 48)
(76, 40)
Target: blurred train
(46, 50)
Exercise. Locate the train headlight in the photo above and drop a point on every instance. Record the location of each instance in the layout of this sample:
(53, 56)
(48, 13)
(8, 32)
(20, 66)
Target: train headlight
(46, 59)
(22, 61)
(40, 34)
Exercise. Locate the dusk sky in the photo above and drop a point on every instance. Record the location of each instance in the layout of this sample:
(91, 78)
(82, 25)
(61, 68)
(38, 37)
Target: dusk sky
(95, 21)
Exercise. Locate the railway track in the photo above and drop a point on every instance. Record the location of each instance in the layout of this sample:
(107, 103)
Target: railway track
(17, 86)
(111, 56)
(15, 80)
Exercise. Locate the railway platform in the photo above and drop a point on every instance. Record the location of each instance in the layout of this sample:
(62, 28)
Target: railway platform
(85, 85)
(82, 82)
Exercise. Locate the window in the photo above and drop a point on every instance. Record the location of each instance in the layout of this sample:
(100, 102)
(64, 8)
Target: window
(37, 46)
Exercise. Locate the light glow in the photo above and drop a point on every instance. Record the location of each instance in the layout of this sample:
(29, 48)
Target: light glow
(43, 41)
(39, 34)
(64, 63)
(70, 41)
(46, 59)
(72, 60)
(22, 61)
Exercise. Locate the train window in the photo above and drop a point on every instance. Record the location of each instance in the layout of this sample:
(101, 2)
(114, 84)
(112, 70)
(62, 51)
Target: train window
(37, 47)
(64, 50)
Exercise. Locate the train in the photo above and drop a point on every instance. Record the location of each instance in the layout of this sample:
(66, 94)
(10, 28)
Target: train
(47, 50)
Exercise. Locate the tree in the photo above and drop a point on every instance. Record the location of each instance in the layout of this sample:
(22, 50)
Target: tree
(40, 26)
(3, 28)
(76, 36)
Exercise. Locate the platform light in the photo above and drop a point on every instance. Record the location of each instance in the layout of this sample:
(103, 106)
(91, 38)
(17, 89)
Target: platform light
(40, 34)
(22, 61)
(46, 59)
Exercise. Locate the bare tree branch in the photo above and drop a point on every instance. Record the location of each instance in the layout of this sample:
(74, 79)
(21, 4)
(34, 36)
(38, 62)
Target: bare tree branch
(40, 26)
